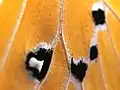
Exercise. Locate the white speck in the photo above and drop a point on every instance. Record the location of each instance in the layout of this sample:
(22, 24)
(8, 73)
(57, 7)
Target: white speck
(32, 62)
(98, 5)
(83, 60)
(37, 84)
(36, 63)
(101, 27)
(39, 65)
(106, 9)
(43, 45)
(76, 61)
(93, 40)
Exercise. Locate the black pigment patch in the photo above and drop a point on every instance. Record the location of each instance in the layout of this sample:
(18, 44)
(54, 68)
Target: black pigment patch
(99, 17)
(93, 52)
(41, 54)
(79, 70)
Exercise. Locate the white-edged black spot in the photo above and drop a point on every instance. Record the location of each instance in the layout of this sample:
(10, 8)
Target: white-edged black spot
(44, 56)
(93, 52)
(78, 69)
(99, 17)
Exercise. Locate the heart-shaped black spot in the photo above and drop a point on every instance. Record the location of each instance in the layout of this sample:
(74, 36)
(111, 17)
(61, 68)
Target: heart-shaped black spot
(79, 70)
(41, 54)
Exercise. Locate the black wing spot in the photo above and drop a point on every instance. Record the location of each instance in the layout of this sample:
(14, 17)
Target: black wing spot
(79, 70)
(93, 52)
(99, 17)
(41, 54)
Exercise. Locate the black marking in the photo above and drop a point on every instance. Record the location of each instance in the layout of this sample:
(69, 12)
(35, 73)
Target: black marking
(99, 17)
(93, 52)
(79, 70)
(40, 54)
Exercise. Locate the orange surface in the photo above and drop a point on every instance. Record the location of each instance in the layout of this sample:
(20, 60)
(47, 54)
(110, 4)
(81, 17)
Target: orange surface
(39, 23)
(9, 11)
(114, 4)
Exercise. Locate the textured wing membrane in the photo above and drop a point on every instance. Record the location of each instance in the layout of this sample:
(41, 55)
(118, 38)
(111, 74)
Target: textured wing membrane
(39, 23)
